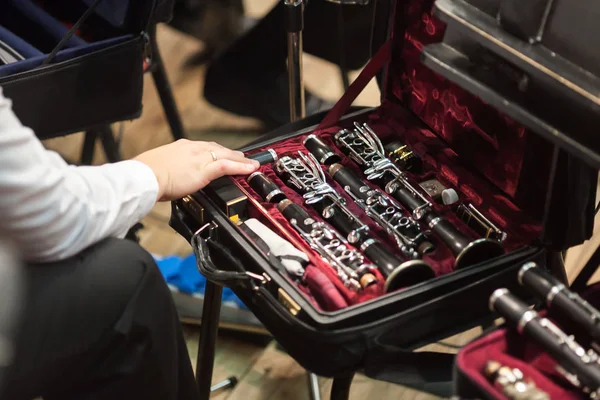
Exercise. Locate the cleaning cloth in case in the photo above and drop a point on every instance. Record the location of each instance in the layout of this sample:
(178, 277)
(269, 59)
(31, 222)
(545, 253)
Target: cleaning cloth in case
(292, 259)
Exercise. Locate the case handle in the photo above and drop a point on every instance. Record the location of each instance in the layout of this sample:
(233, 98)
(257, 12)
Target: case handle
(203, 244)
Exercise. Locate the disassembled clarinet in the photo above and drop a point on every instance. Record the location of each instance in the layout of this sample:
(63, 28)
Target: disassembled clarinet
(385, 211)
(580, 367)
(558, 297)
(350, 264)
(304, 174)
(364, 147)
(512, 382)
(399, 208)
(352, 268)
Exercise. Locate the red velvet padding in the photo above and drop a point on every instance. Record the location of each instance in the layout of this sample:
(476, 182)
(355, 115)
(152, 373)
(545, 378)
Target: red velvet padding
(505, 152)
(509, 348)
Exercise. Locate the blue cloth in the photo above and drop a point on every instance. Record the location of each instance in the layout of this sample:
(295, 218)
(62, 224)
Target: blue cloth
(183, 274)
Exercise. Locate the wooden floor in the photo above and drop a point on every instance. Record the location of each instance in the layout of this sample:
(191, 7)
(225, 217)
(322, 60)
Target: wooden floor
(264, 372)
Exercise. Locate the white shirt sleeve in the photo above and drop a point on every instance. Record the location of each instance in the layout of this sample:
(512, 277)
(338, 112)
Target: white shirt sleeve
(52, 210)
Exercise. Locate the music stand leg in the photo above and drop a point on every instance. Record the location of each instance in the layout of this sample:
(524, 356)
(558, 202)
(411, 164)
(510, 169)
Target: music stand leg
(313, 386)
(109, 144)
(163, 87)
(211, 313)
(340, 390)
(87, 151)
(294, 23)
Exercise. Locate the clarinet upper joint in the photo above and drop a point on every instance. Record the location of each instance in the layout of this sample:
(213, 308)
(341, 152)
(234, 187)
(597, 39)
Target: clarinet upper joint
(366, 149)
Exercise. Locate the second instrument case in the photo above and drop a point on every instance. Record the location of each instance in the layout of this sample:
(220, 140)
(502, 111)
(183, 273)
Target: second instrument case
(507, 172)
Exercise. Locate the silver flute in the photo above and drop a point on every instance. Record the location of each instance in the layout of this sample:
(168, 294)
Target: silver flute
(350, 265)
(364, 147)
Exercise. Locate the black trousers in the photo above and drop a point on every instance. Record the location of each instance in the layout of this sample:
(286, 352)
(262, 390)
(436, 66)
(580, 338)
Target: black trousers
(101, 325)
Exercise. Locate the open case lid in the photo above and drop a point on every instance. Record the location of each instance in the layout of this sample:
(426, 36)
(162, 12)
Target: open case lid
(537, 61)
(554, 188)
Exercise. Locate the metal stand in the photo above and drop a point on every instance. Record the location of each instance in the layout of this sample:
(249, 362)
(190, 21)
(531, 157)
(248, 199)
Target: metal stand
(211, 313)
(209, 327)
(294, 23)
(313, 386)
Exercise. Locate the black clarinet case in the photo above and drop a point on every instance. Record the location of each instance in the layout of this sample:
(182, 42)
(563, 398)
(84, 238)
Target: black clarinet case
(493, 162)
(62, 83)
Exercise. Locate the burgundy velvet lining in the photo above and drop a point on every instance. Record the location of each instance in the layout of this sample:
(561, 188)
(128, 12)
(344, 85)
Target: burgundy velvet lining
(517, 351)
(503, 150)
(439, 162)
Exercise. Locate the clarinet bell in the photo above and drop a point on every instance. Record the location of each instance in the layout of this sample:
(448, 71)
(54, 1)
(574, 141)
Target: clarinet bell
(466, 250)
(477, 251)
(407, 274)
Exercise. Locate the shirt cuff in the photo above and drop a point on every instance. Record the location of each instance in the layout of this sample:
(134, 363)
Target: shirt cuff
(144, 181)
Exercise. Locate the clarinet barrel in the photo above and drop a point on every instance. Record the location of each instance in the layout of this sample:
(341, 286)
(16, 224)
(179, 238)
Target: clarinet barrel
(323, 153)
(580, 367)
(265, 188)
(558, 297)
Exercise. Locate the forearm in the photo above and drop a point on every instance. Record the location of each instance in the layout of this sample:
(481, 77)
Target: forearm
(80, 208)
(52, 210)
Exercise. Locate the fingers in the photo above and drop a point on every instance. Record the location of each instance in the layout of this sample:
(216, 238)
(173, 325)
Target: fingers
(223, 153)
(223, 167)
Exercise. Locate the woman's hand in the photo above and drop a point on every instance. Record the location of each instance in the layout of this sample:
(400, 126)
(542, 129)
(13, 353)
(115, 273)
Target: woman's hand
(184, 167)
